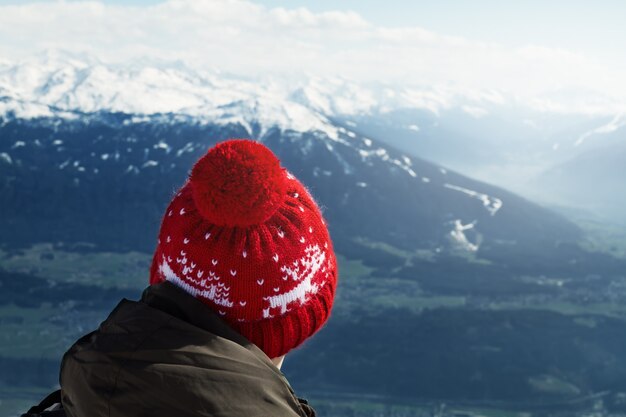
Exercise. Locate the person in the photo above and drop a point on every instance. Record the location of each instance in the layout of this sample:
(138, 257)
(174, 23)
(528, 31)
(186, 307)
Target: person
(244, 272)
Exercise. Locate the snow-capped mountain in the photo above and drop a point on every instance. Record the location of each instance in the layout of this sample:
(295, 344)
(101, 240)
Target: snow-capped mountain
(66, 81)
(57, 84)
(91, 152)
(457, 127)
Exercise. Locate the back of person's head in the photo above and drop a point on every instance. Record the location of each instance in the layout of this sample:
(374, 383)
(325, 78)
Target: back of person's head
(244, 236)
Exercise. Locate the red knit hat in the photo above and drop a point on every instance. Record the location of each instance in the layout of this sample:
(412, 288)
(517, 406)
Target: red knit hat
(245, 236)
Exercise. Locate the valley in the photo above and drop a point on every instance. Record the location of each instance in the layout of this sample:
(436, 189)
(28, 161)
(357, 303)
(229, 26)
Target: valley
(529, 327)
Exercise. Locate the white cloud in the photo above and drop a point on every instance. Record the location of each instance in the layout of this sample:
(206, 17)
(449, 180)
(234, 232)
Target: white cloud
(245, 38)
(476, 112)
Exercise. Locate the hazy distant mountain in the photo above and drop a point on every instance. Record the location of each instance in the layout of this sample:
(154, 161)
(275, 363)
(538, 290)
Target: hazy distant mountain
(591, 173)
(594, 180)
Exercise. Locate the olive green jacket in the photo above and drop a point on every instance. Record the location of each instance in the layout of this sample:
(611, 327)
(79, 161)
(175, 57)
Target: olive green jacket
(169, 355)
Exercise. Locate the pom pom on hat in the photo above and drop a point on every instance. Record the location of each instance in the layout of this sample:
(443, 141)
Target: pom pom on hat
(238, 183)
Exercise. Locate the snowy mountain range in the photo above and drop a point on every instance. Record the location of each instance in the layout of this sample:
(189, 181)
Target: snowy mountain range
(99, 141)
(490, 135)
(60, 84)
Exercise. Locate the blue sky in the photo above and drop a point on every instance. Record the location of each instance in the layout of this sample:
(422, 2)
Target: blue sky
(526, 45)
(553, 23)
(574, 24)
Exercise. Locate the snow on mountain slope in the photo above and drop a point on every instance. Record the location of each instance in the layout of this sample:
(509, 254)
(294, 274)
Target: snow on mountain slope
(342, 97)
(70, 82)
(67, 84)
(615, 124)
(59, 83)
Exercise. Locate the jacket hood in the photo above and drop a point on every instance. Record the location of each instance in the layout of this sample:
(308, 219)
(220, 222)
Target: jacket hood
(170, 355)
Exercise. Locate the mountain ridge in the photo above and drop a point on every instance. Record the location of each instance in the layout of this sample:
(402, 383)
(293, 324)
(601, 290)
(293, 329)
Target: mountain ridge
(358, 178)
